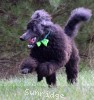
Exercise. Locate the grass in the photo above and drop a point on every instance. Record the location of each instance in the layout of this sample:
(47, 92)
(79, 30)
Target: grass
(27, 88)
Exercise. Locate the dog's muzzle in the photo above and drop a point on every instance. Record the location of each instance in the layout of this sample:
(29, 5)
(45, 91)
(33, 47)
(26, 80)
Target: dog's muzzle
(27, 37)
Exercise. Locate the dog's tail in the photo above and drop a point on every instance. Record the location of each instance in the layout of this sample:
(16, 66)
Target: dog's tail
(77, 16)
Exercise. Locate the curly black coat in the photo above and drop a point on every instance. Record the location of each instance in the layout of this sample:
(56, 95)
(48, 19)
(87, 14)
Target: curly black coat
(61, 49)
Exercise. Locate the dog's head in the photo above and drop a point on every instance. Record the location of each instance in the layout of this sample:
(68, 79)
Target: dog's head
(37, 27)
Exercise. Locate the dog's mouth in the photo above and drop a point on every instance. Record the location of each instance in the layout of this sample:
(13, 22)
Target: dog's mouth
(31, 42)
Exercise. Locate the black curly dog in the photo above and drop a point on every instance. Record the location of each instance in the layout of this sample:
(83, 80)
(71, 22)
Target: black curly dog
(53, 47)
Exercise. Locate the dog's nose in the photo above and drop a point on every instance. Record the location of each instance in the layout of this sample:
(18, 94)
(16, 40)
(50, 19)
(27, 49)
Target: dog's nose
(22, 39)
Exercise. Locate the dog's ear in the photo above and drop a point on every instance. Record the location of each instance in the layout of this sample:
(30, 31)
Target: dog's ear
(46, 23)
(40, 29)
(43, 25)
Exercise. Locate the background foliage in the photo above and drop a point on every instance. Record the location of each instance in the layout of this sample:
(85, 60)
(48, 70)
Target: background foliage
(14, 15)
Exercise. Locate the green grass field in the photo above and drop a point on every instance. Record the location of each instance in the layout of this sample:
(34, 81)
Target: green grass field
(27, 88)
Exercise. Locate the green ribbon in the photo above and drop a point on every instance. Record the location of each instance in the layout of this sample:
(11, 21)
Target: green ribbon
(44, 42)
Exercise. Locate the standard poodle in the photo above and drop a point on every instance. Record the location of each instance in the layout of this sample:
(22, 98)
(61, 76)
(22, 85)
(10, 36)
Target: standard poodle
(51, 46)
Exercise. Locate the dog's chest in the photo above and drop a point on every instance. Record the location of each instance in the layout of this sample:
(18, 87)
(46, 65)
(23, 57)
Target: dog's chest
(43, 53)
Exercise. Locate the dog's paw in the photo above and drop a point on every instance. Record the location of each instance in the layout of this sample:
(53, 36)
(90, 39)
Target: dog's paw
(72, 81)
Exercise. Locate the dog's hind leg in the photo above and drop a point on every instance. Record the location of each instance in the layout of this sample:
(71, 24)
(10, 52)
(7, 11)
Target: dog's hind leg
(51, 79)
(72, 66)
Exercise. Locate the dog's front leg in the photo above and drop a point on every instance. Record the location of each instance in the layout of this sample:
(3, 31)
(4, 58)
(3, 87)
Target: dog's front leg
(28, 65)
